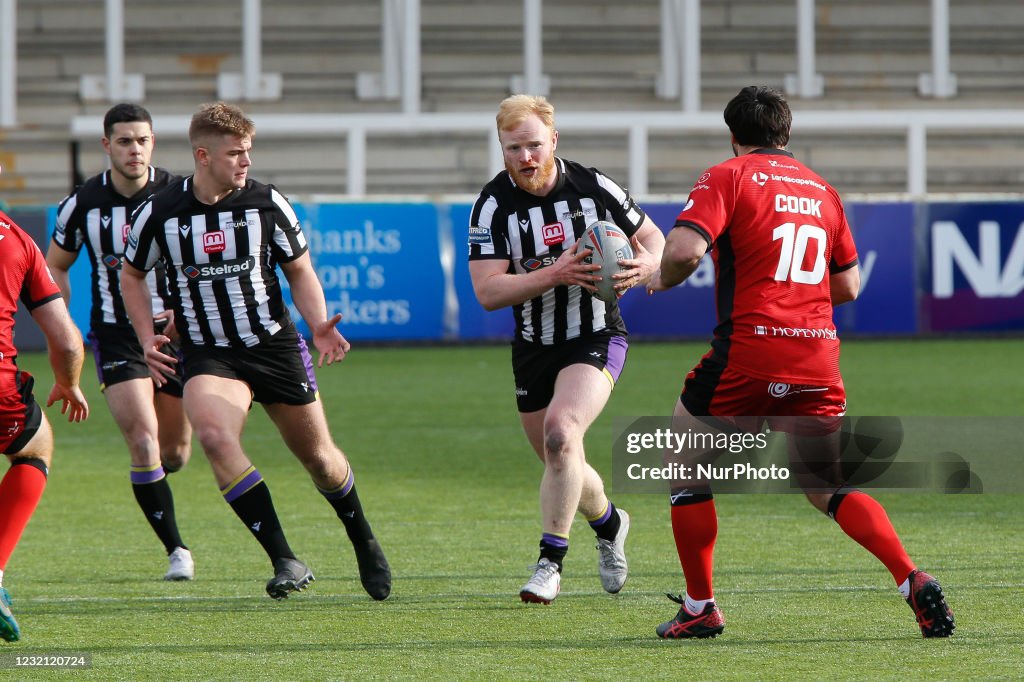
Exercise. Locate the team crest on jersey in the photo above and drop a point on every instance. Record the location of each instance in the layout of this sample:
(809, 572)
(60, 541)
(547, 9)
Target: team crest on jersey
(553, 233)
(125, 230)
(213, 242)
(111, 261)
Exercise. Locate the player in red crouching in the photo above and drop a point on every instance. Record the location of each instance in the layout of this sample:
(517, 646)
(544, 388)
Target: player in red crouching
(784, 257)
(25, 434)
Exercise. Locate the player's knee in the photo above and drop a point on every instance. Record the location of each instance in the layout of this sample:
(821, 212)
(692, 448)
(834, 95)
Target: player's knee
(142, 445)
(558, 443)
(324, 464)
(216, 440)
(174, 458)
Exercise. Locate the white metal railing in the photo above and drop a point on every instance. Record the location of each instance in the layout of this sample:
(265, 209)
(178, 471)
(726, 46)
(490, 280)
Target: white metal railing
(8, 64)
(355, 128)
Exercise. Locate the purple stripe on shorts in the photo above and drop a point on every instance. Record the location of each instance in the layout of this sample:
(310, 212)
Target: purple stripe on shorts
(94, 343)
(143, 477)
(617, 346)
(307, 361)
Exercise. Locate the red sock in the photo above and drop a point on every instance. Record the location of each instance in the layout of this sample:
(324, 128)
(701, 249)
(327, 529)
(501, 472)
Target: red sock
(695, 527)
(19, 494)
(864, 519)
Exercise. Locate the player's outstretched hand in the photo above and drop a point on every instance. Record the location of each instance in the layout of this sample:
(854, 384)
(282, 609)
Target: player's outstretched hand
(161, 365)
(638, 269)
(329, 341)
(73, 402)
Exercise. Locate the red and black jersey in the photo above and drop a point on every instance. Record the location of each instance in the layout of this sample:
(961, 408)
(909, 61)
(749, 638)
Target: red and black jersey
(776, 231)
(24, 276)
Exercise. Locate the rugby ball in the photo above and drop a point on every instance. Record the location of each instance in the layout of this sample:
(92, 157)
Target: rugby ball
(608, 245)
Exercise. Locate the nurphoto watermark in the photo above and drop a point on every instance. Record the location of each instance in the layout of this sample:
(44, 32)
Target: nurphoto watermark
(754, 454)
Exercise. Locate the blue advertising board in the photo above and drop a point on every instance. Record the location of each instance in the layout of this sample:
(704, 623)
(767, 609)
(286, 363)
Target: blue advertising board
(398, 272)
(380, 267)
(886, 248)
(973, 277)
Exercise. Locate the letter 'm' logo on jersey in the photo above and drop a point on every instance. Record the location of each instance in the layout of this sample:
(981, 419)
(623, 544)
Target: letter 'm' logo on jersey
(213, 242)
(760, 178)
(222, 270)
(111, 261)
(553, 233)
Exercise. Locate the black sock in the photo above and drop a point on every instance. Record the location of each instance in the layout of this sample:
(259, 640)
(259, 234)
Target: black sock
(256, 509)
(345, 501)
(156, 501)
(607, 525)
(554, 548)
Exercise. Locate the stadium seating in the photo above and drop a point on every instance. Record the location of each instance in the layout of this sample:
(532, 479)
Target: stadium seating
(599, 55)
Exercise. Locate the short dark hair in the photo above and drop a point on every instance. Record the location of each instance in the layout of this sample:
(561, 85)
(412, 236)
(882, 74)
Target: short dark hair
(125, 113)
(759, 117)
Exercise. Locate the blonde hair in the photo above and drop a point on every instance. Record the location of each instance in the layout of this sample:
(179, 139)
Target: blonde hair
(515, 109)
(219, 118)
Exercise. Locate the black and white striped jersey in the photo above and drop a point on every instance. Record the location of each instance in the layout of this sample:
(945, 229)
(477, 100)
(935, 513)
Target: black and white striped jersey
(96, 216)
(220, 260)
(508, 223)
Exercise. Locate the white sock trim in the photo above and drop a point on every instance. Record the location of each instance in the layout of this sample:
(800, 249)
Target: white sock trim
(696, 606)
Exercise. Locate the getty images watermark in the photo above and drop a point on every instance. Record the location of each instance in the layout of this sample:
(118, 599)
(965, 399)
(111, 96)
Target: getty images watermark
(797, 454)
(675, 444)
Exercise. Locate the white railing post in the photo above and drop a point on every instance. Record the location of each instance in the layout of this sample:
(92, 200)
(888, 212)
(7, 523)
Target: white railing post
(666, 84)
(917, 160)
(638, 159)
(355, 158)
(8, 64)
(391, 49)
(252, 84)
(400, 49)
(495, 157)
(940, 82)
(411, 90)
(532, 81)
(806, 83)
(690, 56)
(115, 85)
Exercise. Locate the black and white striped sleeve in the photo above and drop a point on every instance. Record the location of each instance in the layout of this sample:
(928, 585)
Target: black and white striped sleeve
(287, 242)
